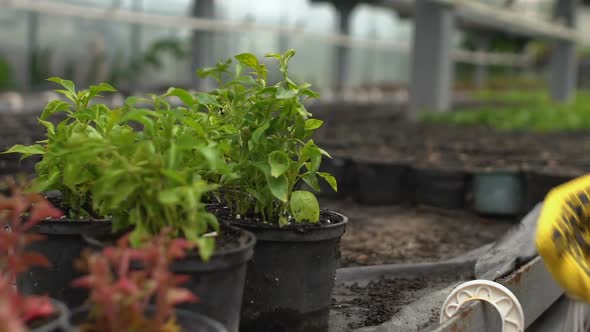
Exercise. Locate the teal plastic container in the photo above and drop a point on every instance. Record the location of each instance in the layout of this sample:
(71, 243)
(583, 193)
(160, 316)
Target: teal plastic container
(498, 192)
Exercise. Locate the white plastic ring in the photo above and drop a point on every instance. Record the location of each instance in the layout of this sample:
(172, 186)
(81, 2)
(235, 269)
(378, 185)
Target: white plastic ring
(492, 292)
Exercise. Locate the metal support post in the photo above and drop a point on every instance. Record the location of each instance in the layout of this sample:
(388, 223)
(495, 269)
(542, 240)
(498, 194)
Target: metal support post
(202, 43)
(342, 53)
(32, 48)
(481, 73)
(564, 62)
(432, 62)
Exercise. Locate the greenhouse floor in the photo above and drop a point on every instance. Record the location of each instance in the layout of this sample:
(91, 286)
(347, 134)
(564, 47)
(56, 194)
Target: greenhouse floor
(398, 234)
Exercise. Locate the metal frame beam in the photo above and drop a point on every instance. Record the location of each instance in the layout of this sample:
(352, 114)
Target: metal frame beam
(432, 61)
(564, 61)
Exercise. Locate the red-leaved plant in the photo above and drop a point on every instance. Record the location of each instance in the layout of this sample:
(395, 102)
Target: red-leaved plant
(19, 211)
(121, 295)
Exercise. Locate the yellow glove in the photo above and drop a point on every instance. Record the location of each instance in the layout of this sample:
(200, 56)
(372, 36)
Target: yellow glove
(563, 236)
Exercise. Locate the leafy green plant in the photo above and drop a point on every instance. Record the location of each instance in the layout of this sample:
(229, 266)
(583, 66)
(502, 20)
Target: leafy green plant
(269, 133)
(160, 176)
(523, 111)
(72, 150)
(144, 167)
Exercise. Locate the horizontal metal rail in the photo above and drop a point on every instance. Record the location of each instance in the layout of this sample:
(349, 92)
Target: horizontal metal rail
(205, 24)
(475, 14)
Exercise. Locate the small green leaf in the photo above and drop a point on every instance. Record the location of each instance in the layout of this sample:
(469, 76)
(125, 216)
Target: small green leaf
(170, 196)
(279, 187)
(183, 95)
(69, 85)
(288, 55)
(312, 153)
(311, 180)
(279, 163)
(132, 100)
(206, 99)
(206, 247)
(50, 127)
(330, 179)
(68, 95)
(53, 107)
(259, 132)
(310, 93)
(248, 59)
(94, 90)
(311, 124)
(273, 55)
(283, 93)
(304, 206)
(26, 151)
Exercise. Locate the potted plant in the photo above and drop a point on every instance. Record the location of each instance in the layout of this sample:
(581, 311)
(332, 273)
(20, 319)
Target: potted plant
(19, 211)
(140, 298)
(146, 168)
(269, 133)
(67, 169)
(161, 174)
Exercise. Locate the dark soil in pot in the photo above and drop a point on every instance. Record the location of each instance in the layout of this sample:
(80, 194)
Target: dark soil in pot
(439, 187)
(291, 276)
(58, 322)
(381, 183)
(62, 245)
(219, 283)
(188, 321)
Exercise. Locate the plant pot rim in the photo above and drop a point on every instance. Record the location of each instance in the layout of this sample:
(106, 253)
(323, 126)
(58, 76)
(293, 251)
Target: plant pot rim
(217, 254)
(249, 245)
(73, 226)
(295, 233)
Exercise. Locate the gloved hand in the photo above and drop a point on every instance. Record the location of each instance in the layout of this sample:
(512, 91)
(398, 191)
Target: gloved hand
(563, 237)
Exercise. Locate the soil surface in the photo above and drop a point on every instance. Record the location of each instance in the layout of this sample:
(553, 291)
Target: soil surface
(377, 301)
(397, 234)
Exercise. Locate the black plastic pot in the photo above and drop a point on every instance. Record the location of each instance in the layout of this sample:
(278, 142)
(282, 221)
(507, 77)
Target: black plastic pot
(440, 188)
(58, 323)
(341, 169)
(291, 276)
(538, 184)
(219, 283)
(188, 321)
(380, 183)
(62, 245)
